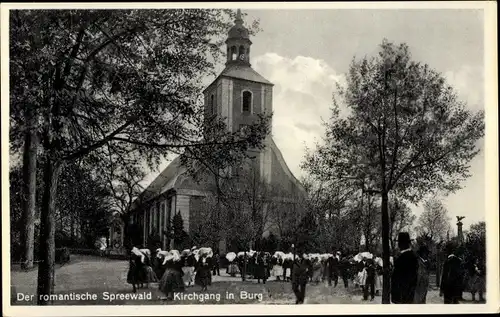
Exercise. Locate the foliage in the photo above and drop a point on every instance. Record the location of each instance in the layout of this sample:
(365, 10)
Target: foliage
(402, 129)
(475, 243)
(122, 85)
(306, 235)
(180, 236)
(434, 221)
(79, 220)
(268, 244)
(401, 217)
(403, 114)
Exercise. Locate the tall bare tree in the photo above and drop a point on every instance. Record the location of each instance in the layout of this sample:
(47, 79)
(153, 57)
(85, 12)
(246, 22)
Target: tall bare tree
(434, 222)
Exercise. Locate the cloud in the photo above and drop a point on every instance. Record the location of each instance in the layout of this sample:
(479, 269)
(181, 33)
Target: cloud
(468, 82)
(302, 97)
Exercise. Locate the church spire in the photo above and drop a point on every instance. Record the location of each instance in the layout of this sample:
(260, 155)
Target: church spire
(238, 43)
(238, 19)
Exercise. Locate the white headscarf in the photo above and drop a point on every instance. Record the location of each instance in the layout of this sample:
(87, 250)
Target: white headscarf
(138, 253)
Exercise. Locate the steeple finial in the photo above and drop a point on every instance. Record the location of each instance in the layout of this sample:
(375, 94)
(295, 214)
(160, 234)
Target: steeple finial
(238, 19)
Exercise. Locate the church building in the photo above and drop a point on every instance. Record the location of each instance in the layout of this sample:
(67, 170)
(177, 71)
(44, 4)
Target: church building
(238, 95)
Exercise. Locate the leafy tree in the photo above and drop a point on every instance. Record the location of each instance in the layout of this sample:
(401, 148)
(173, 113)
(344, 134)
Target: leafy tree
(207, 222)
(475, 243)
(124, 82)
(305, 238)
(404, 130)
(401, 218)
(79, 220)
(434, 221)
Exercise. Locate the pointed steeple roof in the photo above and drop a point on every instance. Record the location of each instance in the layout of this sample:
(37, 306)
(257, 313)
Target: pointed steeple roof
(238, 31)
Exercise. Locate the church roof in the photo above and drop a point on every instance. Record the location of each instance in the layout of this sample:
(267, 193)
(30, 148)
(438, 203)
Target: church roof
(174, 177)
(166, 179)
(284, 166)
(244, 72)
(241, 72)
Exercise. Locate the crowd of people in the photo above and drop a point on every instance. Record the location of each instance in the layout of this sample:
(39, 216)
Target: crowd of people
(410, 275)
(175, 271)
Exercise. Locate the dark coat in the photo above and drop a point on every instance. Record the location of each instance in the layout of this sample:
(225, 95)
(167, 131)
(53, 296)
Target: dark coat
(404, 278)
(301, 271)
(452, 277)
(344, 267)
(333, 266)
(190, 260)
(260, 268)
(370, 272)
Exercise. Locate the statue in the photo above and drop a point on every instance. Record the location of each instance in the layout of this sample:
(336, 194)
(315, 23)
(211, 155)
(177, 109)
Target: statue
(460, 232)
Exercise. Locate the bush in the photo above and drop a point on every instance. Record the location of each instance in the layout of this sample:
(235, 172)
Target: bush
(62, 255)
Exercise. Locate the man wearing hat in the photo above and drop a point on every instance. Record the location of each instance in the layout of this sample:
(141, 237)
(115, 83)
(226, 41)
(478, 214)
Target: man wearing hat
(300, 275)
(404, 275)
(333, 269)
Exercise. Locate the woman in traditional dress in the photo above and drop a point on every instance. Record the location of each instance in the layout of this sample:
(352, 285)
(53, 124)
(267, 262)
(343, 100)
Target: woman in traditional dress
(379, 271)
(287, 267)
(242, 261)
(252, 265)
(157, 262)
(277, 266)
(203, 273)
(139, 272)
(317, 270)
(476, 281)
(188, 264)
(361, 277)
(171, 281)
(422, 275)
(260, 268)
(232, 268)
(324, 266)
(148, 266)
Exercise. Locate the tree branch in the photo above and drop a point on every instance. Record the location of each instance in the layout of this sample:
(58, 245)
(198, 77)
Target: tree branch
(106, 139)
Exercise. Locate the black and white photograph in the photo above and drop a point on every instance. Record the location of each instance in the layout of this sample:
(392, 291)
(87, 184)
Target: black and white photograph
(238, 154)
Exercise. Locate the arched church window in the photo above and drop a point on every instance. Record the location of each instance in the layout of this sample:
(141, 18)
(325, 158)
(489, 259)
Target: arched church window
(211, 104)
(233, 53)
(242, 51)
(246, 101)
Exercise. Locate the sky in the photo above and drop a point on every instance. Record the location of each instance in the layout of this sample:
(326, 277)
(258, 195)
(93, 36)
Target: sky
(305, 52)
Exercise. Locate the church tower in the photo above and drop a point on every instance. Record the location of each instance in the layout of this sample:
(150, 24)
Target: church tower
(239, 94)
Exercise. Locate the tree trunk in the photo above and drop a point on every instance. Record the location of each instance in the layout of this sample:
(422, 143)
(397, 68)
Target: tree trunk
(72, 230)
(47, 233)
(386, 297)
(29, 206)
